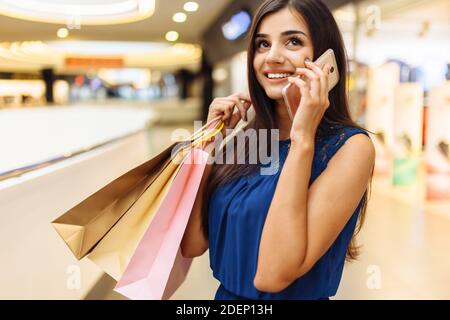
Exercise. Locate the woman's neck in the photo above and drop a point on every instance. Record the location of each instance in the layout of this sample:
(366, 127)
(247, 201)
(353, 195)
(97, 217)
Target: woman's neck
(282, 120)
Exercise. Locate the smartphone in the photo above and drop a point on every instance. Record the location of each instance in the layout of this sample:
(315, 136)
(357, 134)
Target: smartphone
(291, 94)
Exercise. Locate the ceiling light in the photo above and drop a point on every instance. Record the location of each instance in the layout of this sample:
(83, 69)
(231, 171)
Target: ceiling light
(97, 12)
(172, 36)
(179, 17)
(145, 7)
(62, 33)
(191, 6)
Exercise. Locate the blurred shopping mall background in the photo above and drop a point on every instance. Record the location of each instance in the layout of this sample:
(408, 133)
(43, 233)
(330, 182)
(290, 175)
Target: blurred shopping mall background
(91, 88)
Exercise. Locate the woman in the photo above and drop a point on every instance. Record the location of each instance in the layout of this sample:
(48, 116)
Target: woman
(286, 235)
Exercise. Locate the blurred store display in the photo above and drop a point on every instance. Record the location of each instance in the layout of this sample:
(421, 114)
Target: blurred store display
(437, 147)
(408, 120)
(382, 82)
(398, 56)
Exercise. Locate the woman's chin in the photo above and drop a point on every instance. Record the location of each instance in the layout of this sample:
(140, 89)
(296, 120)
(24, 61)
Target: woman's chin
(274, 94)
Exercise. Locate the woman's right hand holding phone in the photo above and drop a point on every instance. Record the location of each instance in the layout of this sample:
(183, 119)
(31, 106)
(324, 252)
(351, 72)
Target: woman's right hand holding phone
(314, 100)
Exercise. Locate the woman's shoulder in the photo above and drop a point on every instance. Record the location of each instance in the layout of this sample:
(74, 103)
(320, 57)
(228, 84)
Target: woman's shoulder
(355, 139)
(339, 133)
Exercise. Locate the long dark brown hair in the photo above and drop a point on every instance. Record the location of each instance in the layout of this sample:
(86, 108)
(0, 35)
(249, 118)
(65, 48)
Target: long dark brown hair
(325, 34)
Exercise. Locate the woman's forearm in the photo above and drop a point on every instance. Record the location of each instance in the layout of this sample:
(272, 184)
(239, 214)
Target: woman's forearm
(283, 243)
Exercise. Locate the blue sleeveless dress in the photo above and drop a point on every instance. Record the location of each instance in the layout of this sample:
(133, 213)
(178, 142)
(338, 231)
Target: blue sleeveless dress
(237, 212)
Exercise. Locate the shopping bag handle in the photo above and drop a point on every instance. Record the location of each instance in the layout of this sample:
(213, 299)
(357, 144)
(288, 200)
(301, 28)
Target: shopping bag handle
(205, 136)
(201, 136)
(183, 152)
(200, 131)
(202, 139)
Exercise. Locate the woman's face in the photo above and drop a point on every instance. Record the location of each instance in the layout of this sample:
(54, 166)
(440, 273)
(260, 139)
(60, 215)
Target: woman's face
(282, 43)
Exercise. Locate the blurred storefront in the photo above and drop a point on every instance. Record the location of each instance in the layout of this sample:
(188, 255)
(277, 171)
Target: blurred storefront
(88, 70)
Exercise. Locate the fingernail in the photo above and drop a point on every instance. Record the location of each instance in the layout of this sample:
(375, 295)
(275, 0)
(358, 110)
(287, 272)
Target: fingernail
(307, 60)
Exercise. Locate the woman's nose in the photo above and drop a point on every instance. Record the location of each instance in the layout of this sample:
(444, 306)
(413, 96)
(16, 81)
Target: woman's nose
(274, 56)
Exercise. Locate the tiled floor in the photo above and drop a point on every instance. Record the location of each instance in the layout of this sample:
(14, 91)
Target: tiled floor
(405, 253)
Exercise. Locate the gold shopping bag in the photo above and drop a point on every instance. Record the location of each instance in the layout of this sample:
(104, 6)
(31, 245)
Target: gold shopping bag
(83, 226)
(114, 252)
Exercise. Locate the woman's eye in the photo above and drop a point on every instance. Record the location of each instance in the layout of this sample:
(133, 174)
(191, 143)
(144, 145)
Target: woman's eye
(295, 41)
(262, 44)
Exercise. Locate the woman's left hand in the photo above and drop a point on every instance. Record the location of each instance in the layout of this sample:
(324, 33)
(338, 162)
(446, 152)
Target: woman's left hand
(314, 100)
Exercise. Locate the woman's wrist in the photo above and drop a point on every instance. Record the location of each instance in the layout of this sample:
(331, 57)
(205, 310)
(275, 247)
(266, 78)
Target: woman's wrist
(303, 145)
(304, 137)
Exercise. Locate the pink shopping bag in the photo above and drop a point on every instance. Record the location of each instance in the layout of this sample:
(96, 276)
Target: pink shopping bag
(157, 267)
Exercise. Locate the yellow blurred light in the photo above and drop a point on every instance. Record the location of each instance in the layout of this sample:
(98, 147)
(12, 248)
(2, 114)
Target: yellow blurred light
(62, 33)
(145, 6)
(220, 74)
(191, 6)
(172, 36)
(179, 17)
(37, 53)
(345, 16)
(14, 47)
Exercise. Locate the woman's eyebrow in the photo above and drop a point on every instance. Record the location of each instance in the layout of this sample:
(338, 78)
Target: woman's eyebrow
(291, 32)
(284, 33)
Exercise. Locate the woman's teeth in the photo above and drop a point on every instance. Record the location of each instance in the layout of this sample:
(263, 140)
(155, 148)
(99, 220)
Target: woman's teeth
(278, 75)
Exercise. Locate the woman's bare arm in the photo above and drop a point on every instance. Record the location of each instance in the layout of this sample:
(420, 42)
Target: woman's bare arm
(194, 243)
